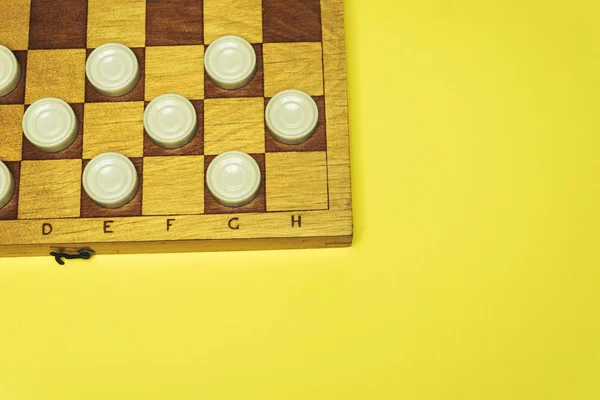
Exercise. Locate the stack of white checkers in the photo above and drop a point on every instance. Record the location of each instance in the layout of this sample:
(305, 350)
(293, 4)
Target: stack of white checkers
(170, 120)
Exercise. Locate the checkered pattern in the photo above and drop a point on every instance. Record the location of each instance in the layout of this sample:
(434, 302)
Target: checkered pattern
(52, 40)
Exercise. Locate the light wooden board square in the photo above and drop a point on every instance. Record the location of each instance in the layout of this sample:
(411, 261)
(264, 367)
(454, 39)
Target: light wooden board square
(293, 66)
(121, 21)
(234, 124)
(173, 185)
(175, 69)
(241, 18)
(56, 73)
(296, 181)
(50, 189)
(117, 127)
(11, 117)
(14, 28)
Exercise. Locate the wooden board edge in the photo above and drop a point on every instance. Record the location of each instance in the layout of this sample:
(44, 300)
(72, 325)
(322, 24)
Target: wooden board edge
(181, 246)
(336, 104)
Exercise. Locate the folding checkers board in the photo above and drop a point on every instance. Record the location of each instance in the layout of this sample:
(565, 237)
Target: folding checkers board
(305, 196)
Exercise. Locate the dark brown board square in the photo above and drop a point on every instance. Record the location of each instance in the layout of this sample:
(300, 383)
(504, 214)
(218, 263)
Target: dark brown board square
(89, 209)
(58, 24)
(17, 96)
(30, 152)
(259, 204)
(317, 142)
(291, 21)
(11, 210)
(193, 148)
(174, 22)
(256, 87)
(137, 94)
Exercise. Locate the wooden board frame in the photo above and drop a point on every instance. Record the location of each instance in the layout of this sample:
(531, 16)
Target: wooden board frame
(210, 232)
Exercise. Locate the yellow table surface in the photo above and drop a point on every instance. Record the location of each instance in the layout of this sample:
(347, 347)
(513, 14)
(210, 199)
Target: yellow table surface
(474, 273)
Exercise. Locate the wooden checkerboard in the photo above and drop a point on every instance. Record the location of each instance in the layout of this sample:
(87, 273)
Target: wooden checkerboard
(305, 198)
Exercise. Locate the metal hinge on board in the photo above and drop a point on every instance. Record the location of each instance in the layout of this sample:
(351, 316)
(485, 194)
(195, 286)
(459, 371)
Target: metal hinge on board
(84, 254)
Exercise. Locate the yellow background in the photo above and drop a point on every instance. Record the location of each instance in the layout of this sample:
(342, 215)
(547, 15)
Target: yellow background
(474, 274)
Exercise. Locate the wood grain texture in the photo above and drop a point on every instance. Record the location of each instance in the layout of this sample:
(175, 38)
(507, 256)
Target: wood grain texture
(58, 24)
(234, 124)
(120, 21)
(50, 189)
(11, 117)
(117, 127)
(55, 73)
(160, 31)
(17, 96)
(291, 21)
(336, 94)
(258, 204)
(241, 18)
(293, 66)
(175, 69)
(174, 185)
(136, 94)
(187, 246)
(296, 181)
(185, 227)
(14, 29)
(89, 209)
